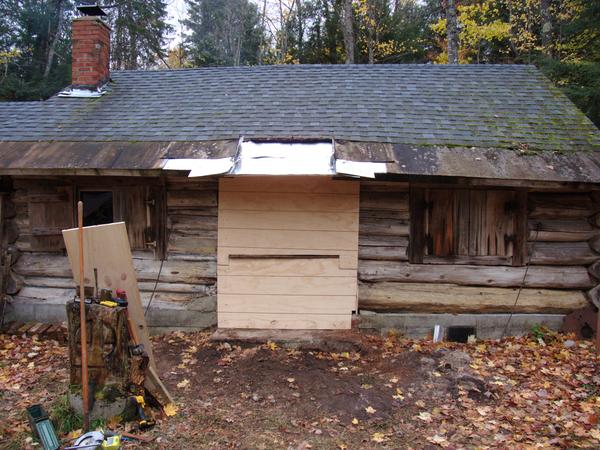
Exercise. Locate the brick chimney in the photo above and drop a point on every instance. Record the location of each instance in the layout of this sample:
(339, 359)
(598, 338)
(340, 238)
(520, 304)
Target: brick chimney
(91, 49)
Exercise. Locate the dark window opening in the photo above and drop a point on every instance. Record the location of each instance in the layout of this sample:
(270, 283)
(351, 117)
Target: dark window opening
(459, 334)
(97, 207)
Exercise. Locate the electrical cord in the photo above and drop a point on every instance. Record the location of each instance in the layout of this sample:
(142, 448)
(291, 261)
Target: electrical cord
(512, 311)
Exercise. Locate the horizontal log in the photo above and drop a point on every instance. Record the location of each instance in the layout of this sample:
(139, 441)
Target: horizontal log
(384, 201)
(564, 225)
(191, 199)
(387, 227)
(450, 298)
(470, 260)
(561, 236)
(192, 223)
(561, 253)
(193, 243)
(550, 277)
(63, 295)
(199, 211)
(594, 243)
(55, 265)
(374, 240)
(594, 296)
(595, 220)
(384, 214)
(560, 206)
(594, 270)
(383, 186)
(383, 253)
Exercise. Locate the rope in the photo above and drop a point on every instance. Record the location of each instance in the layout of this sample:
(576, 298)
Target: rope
(512, 310)
(162, 261)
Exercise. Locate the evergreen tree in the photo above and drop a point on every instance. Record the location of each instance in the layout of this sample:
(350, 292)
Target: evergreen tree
(224, 32)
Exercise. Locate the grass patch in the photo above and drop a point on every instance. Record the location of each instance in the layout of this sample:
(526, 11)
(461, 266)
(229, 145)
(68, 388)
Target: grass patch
(64, 418)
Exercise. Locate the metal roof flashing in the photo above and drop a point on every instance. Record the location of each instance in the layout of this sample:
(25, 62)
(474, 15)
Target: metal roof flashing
(75, 92)
(278, 158)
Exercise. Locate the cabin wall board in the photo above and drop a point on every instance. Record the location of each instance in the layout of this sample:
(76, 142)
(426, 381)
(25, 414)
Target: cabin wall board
(560, 230)
(287, 252)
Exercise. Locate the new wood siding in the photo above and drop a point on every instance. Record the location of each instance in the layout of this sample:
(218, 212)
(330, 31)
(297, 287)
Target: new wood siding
(287, 252)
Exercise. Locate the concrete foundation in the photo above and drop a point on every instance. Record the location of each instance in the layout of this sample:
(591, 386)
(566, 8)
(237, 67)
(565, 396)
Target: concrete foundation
(487, 326)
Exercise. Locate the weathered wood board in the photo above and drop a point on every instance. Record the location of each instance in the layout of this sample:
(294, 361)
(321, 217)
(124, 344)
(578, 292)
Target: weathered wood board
(287, 252)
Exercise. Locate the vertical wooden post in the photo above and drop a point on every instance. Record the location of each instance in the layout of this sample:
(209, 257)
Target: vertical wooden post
(83, 326)
(417, 211)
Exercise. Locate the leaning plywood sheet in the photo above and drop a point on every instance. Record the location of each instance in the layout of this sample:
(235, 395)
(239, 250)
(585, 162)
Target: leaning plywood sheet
(106, 249)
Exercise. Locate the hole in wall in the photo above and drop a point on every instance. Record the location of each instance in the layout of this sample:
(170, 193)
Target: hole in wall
(459, 334)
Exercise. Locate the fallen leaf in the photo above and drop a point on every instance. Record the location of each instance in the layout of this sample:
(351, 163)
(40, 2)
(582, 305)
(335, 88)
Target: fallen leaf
(370, 410)
(378, 437)
(183, 384)
(355, 421)
(170, 409)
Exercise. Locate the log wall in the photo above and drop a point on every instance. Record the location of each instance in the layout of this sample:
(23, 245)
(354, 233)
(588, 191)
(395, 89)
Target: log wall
(563, 251)
(187, 281)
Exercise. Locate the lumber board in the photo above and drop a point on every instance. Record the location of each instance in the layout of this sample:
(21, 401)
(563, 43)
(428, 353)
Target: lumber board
(383, 253)
(106, 248)
(550, 277)
(276, 201)
(286, 321)
(286, 285)
(385, 227)
(326, 266)
(392, 201)
(441, 298)
(289, 220)
(289, 239)
(348, 258)
(289, 184)
(286, 304)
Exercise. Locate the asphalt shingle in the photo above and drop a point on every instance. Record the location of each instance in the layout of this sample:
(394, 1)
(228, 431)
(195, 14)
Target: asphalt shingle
(473, 105)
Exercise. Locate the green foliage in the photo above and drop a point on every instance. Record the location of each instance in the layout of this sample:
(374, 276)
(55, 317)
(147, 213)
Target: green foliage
(63, 417)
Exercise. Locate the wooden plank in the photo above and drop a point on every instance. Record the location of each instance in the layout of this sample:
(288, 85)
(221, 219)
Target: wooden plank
(191, 199)
(289, 220)
(275, 201)
(442, 298)
(417, 247)
(289, 184)
(197, 243)
(560, 205)
(286, 285)
(373, 240)
(390, 201)
(286, 321)
(550, 277)
(289, 239)
(441, 222)
(286, 266)
(106, 248)
(286, 304)
(383, 186)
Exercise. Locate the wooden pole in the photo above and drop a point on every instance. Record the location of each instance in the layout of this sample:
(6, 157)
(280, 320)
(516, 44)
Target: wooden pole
(83, 326)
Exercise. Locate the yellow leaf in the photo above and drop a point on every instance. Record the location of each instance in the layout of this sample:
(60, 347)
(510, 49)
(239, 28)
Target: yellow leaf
(114, 421)
(355, 421)
(74, 434)
(378, 437)
(170, 409)
(425, 416)
(346, 355)
(183, 384)
(370, 410)
(342, 446)
(271, 345)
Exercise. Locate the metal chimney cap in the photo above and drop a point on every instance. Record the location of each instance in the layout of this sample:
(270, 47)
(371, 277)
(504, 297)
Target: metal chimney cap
(88, 9)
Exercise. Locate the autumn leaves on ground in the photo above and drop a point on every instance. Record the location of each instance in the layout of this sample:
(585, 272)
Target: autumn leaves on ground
(542, 391)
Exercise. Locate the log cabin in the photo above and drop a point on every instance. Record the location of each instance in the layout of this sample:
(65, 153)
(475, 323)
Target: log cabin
(307, 196)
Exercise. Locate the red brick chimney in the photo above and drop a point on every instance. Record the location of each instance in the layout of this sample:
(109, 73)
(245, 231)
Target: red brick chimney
(91, 50)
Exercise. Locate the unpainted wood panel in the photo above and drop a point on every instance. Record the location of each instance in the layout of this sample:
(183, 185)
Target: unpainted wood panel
(106, 249)
(286, 304)
(289, 220)
(275, 201)
(288, 239)
(286, 266)
(289, 184)
(285, 321)
(286, 285)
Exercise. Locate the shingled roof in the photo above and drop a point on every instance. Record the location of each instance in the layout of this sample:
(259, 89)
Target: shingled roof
(497, 106)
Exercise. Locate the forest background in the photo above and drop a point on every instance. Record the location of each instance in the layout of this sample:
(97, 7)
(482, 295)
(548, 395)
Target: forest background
(561, 37)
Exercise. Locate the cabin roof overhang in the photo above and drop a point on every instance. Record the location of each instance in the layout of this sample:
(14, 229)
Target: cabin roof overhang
(143, 158)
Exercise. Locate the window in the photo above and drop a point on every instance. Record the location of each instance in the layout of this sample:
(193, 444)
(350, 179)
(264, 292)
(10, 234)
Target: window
(468, 226)
(97, 207)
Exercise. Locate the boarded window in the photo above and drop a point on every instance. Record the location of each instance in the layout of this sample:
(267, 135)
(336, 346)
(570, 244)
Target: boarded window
(50, 212)
(468, 225)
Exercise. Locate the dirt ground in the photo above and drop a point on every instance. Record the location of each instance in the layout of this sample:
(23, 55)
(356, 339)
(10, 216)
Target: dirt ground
(541, 391)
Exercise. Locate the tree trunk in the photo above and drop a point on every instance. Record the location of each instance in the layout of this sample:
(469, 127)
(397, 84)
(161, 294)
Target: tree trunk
(262, 37)
(348, 31)
(546, 32)
(452, 32)
(300, 29)
(53, 37)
